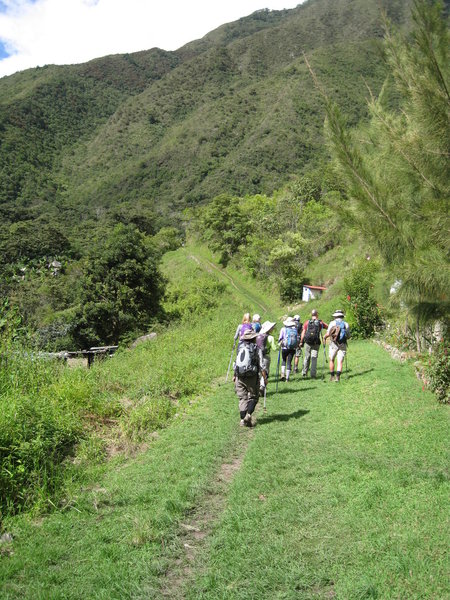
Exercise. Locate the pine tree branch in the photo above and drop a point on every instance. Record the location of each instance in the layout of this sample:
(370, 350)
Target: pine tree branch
(425, 31)
(399, 147)
(349, 160)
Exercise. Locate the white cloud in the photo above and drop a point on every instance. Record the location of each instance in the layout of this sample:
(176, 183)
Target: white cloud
(73, 31)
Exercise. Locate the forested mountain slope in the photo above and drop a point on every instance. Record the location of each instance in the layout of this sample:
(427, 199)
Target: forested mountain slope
(235, 111)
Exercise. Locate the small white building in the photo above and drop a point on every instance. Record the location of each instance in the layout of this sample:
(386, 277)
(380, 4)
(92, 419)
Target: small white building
(312, 292)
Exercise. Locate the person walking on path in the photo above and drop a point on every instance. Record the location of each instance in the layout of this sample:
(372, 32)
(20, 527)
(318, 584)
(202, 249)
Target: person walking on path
(298, 350)
(247, 371)
(256, 323)
(265, 343)
(310, 339)
(243, 327)
(339, 333)
(288, 340)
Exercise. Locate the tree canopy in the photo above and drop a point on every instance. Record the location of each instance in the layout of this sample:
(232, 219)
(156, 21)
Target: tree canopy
(396, 169)
(122, 288)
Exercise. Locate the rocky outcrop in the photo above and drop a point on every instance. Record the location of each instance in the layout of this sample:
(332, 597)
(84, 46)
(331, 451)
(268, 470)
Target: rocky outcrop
(143, 338)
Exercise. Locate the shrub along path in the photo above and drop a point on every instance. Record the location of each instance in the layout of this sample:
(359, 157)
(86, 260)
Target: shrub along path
(340, 491)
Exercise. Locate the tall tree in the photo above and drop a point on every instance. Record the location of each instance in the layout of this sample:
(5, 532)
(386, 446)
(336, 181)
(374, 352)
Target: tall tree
(122, 288)
(396, 170)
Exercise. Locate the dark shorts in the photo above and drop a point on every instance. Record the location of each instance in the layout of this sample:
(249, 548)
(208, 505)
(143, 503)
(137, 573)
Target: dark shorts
(287, 355)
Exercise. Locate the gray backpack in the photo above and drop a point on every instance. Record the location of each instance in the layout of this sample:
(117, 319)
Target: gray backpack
(246, 363)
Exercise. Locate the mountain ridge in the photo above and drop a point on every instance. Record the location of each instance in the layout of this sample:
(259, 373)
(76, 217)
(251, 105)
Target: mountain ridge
(235, 111)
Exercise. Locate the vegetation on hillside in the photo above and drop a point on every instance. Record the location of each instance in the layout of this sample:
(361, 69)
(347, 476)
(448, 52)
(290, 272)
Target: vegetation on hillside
(396, 170)
(103, 272)
(275, 237)
(136, 139)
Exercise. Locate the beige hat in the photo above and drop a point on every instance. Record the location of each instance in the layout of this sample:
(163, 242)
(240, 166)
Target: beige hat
(249, 335)
(256, 318)
(289, 322)
(267, 326)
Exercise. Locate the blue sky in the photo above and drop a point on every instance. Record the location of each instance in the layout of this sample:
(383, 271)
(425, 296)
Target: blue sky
(3, 52)
(40, 32)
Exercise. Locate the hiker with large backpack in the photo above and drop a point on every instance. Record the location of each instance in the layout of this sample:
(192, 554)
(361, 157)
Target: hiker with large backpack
(339, 333)
(310, 340)
(243, 327)
(298, 350)
(247, 371)
(288, 340)
(265, 343)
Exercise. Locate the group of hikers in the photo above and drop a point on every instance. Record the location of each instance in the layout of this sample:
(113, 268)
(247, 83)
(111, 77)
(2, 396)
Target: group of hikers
(255, 342)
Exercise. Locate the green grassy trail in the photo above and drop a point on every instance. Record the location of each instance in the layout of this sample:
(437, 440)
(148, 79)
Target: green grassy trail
(341, 493)
(242, 289)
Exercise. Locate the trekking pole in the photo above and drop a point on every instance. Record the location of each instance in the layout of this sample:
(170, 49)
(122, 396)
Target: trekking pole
(231, 358)
(265, 395)
(278, 369)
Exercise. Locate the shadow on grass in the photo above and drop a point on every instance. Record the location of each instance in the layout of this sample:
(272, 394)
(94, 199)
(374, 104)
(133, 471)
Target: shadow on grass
(350, 373)
(280, 417)
(291, 390)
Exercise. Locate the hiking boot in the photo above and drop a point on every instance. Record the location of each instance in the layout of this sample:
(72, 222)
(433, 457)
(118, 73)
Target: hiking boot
(332, 377)
(248, 420)
(337, 379)
(242, 422)
(282, 378)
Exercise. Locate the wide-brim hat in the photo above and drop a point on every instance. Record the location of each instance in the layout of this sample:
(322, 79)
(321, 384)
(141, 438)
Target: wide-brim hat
(338, 313)
(267, 326)
(289, 322)
(249, 335)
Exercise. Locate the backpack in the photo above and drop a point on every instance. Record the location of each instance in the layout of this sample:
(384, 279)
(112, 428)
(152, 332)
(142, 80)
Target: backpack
(312, 334)
(261, 342)
(338, 333)
(291, 338)
(244, 328)
(246, 363)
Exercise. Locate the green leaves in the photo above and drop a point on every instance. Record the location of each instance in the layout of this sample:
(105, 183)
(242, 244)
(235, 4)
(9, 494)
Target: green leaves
(122, 288)
(396, 168)
(226, 226)
(364, 311)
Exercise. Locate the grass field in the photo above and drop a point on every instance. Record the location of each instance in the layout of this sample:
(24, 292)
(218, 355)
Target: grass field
(340, 491)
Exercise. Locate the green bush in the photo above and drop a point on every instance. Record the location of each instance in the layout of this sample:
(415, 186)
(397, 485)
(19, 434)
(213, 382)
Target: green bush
(437, 371)
(122, 288)
(225, 226)
(363, 309)
(35, 437)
